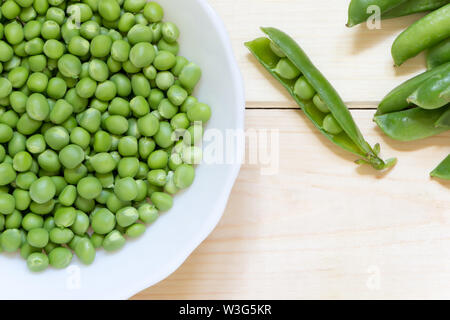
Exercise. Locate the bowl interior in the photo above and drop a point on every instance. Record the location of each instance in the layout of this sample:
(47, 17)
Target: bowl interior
(169, 241)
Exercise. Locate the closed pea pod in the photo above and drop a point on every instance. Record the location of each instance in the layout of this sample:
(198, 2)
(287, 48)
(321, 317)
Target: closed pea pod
(439, 54)
(431, 93)
(359, 10)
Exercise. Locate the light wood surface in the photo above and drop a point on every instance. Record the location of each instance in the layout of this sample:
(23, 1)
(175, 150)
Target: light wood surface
(323, 227)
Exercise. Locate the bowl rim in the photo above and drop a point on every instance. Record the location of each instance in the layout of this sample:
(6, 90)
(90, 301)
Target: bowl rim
(216, 215)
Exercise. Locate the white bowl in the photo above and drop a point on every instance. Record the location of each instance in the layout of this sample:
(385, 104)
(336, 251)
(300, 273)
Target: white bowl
(167, 243)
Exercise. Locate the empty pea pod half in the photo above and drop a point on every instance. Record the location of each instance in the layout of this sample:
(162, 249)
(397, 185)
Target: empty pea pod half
(443, 169)
(287, 62)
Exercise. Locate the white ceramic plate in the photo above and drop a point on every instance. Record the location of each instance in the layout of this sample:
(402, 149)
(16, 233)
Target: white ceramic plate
(167, 243)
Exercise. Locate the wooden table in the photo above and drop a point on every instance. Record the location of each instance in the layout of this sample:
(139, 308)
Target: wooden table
(323, 227)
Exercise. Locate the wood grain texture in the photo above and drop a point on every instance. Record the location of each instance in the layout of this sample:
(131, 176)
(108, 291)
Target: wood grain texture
(322, 227)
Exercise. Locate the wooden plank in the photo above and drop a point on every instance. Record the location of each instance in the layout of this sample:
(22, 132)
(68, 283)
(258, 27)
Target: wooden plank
(322, 227)
(357, 61)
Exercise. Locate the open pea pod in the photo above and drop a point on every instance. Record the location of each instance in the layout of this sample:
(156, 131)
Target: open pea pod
(412, 124)
(270, 51)
(443, 169)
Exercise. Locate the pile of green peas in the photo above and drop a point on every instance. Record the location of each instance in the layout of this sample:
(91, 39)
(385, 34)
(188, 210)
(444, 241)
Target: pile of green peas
(93, 95)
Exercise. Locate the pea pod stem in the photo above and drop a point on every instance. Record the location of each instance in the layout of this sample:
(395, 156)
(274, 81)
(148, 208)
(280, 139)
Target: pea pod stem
(438, 54)
(412, 124)
(421, 35)
(351, 139)
(413, 6)
(443, 170)
(358, 9)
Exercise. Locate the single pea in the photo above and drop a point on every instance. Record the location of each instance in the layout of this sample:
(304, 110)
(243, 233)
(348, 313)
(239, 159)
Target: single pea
(69, 65)
(50, 30)
(126, 189)
(68, 196)
(286, 69)
(65, 216)
(158, 159)
(31, 221)
(120, 50)
(6, 51)
(318, 102)
(180, 121)
(157, 177)
(56, 88)
(25, 179)
(57, 137)
(153, 12)
(26, 250)
(103, 221)
(167, 109)
(86, 205)
(162, 201)
(146, 146)
(177, 95)
(81, 137)
(10, 240)
(89, 187)
(128, 146)
(10, 9)
(331, 125)
(128, 167)
(139, 106)
(22, 199)
(106, 91)
(78, 103)
(116, 124)
(180, 63)
(83, 10)
(90, 120)
(54, 49)
(61, 235)
(42, 190)
(140, 85)
(97, 240)
(17, 77)
(98, 70)
(170, 32)
(135, 230)
(192, 155)
(89, 29)
(49, 161)
(164, 80)
(120, 107)
(173, 47)
(7, 203)
(109, 10)
(6, 133)
(85, 251)
(43, 208)
(163, 137)
(71, 156)
(14, 33)
(199, 112)
(184, 176)
(126, 22)
(81, 224)
(14, 221)
(123, 84)
(60, 257)
(26, 125)
(113, 241)
(22, 161)
(139, 33)
(127, 216)
(101, 46)
(102, 141)
(37, 262)
(142, 54)
(86, 87)
(5, 88)
(303, 89)
(148, 213)
(190, 75)
(38, 237)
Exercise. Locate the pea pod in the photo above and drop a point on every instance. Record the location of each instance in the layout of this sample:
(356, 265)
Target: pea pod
(269, 52)
(358, 9)
(421, 35)
(412, 124)
(443, 169)
(439, 54)
(430, 94)
(444, 120)
(414, 6)
(396, 100)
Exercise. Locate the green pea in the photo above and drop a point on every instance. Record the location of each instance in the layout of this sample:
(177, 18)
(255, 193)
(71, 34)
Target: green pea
(126, 22)
(7, 203)
(148, 213)
(103, 221)
(14, 221)
(97, 240)
(162, 201)
(42, 190)
(106, 91)
(70, 66)
(22, 199)
(26, 250)
(22, 161)
(184, 176)
(127, 216)
(123, 84)
(37, 107)
(119, 106)
(86, 205)
(10, 9)
(71, 156)
(61, 235)
(6, 133)
(102, 141)
(25, 179)
(163, 137)
(89, 187)
(166, 109)
(60, 257)
(164, 80)
(199, 112)
(140, 85)
(57, 137)
(17, 77)
(78, 103)
(50, 30)
(120, 50)
(318, 102)
(14, 33)
(31, 221)
(54, 49)
(286, 69)
(81, 137)
(142, 54)
(85, 251)
(56, 88)
(116, 124)
(36, 144)
(113, 241)
(43, 208)
(170, 32)
(126, 189)
(128, 167)
(180, 63)
(26, 125)
(109, 10)
(157, 177)
(100, 46)
(37, 262)
(173, 47)
(303, 89)
(38, 237)
(81, 224)
(128, 146)
(65, 216)
(49, 161)
(146, 146)
(139, 33)
(177, 95)
(331, 125)
(158, 159)
(6, 51)
(89, 29)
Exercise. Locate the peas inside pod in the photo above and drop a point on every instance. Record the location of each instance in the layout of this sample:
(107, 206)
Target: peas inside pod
(97, 123)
